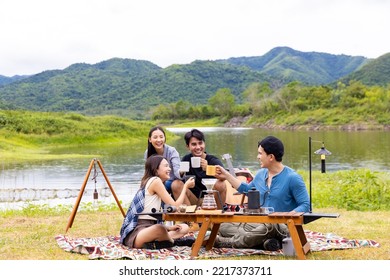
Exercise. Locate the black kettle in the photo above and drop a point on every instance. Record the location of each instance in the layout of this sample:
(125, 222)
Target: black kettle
(253, 199)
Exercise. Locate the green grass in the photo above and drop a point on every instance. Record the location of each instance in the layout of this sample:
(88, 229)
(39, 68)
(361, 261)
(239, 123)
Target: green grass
(28, 135)
(29, 234)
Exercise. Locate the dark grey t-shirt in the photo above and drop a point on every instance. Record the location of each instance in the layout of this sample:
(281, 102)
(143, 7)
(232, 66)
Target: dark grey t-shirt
(200, 173)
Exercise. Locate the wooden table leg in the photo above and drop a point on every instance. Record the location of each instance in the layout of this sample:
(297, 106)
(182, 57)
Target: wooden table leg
(201, 235)
(302, 237)
(296, 239)
(213, 235)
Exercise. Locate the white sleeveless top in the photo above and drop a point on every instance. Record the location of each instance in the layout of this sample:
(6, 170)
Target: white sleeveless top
(151, 201)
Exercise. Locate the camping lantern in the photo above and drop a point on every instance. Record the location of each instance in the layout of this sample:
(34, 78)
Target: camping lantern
(322, 152)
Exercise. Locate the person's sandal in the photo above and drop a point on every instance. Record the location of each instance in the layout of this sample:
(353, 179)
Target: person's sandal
(184, 241)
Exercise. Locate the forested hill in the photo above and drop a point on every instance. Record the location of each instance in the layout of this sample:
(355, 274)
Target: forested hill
(375, 72)
(131, 87)
(311, 68)
(7, 80)
(124, 86)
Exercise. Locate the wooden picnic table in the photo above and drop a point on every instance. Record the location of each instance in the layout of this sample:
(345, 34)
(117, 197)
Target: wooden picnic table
(213, 218)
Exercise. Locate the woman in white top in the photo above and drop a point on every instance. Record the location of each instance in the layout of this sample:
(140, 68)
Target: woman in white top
(135, 233)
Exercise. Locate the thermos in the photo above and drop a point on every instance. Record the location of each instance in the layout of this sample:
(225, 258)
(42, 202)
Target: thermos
(171, 209)
(253, 199)
(288, 247)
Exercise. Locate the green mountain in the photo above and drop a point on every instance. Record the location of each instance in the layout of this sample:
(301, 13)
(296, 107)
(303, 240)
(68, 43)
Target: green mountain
(125, 86)
(8, 80)
(311, 68)
(131, 87)
(375, 72)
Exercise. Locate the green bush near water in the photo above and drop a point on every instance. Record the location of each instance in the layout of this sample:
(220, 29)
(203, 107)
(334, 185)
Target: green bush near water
(68, 128)
(26, 135)
(361, 189)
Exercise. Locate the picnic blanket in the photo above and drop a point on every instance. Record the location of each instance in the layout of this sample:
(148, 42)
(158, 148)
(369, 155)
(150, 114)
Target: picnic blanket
(108, 247)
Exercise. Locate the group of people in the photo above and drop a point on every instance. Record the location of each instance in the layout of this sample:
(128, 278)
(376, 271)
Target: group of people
(196, 144)
(164, 183)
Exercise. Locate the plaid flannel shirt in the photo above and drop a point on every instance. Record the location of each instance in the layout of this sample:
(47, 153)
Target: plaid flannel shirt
(131, 219)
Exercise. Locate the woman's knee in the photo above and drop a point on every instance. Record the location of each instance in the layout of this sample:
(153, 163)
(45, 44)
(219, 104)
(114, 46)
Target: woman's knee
(220, 186)
(177, 186)
(178, 183)
(149, 234)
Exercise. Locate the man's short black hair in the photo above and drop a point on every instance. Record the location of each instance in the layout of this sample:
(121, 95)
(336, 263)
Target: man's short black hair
(272, 146)
(194, 133)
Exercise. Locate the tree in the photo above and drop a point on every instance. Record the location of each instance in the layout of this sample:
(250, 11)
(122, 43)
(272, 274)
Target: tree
(223, 102)
(256, 96)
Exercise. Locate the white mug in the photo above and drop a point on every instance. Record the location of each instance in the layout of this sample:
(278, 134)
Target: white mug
(195, 162)
(184, 166)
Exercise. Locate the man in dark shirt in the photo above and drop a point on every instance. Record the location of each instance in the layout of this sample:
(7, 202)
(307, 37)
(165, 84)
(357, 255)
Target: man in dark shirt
(196, 144)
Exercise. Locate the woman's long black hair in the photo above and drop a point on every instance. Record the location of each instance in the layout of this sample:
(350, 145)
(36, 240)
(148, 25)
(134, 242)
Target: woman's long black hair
(151, 149)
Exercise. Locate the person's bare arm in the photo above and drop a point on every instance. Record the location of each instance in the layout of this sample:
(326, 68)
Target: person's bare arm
(158, 187)
(222, 174)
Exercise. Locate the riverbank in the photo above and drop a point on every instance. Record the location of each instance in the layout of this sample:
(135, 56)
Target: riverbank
(29, 136)
(271, 125)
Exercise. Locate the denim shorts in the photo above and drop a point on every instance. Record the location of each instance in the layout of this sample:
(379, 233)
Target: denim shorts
(168, 185)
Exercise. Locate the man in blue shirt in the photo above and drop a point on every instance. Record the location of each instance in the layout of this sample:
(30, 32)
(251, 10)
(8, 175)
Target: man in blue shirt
(280, 188)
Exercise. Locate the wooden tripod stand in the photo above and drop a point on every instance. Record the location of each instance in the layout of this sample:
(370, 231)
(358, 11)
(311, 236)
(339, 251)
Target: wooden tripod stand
(76, 206)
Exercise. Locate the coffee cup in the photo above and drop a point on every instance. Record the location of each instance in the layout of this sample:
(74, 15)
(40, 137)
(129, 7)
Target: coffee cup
(184, 166)
(186, 177)
(210, 170)
(195, 162)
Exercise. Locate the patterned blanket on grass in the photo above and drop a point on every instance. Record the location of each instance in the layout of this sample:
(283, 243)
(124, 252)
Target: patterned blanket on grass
(108, 247)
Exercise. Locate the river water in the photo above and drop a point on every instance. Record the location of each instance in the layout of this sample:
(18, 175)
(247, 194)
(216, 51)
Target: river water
(59, 181)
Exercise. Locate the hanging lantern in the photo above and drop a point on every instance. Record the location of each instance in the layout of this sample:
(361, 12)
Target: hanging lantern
(323, 152)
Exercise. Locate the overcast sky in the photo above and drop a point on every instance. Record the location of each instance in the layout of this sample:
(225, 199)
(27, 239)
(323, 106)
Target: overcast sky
(39, 35)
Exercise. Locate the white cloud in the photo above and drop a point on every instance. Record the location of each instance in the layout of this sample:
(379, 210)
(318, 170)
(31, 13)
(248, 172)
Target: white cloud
(53, 34)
